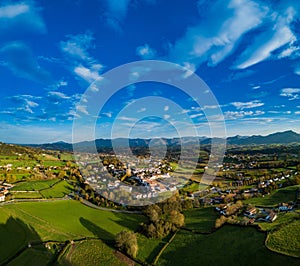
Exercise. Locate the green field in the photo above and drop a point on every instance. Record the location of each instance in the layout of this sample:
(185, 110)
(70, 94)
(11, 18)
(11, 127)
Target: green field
(36, 255)
(281, 195)
(230, 245)
(200, 220)
(59, 190)
(34, 185)
(24, 222)
(27, 195)
(53, 163)
(282, 220)
(149, 248)
(286, 239)
(90, 253)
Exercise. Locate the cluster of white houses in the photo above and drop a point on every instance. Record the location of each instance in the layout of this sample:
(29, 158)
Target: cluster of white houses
(4, 189)
(151, 181)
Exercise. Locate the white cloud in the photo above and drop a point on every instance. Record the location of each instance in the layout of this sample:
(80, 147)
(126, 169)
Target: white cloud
(28, 105)
(166, 116)
(247, 105)
(195, 115)
(256, 87)
(58, 95)
(288, 52)
(94, 87)
(77, 46)
(62, 83)
(142, 110)
(107, 114)
(125, 118)
(274, 112)
(215, 43)
(212, 106)
(31, 103)
(19, 17)
(88, 74)
(11, 11)
(77, 49)
(82, 109)
(73, 114)
(291, 93)
(268, 42)
(166, 108)
(190, 69)
(241, 114)
(145, 52)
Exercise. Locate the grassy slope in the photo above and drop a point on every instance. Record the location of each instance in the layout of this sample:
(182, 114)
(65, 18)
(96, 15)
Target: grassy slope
(230, 245)
(60, 220)
(280, 195)
(149, 248)
(286, 239)
(34, 185)
(59, 190)
(92, 252)
(27, 195)
(33, 257)
(200, 220)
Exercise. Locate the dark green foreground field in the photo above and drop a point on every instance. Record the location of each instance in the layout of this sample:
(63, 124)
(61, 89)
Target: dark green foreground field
(45, 225)
(24, 223)
(230, 245)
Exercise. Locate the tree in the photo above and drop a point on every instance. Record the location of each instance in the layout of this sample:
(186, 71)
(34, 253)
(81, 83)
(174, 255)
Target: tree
(62, 174)
(220, 221)
(153, 212)
(176, 218)
(297, 180)
(126, 241)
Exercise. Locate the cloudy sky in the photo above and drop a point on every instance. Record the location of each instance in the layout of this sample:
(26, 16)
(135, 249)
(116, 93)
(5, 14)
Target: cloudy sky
(51, 52)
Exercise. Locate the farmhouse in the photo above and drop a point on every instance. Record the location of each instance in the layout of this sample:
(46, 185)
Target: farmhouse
(271, 217)
(251, 212)
(2, 197)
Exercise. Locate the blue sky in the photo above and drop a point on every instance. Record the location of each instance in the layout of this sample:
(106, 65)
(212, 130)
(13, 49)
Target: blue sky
(247, 52)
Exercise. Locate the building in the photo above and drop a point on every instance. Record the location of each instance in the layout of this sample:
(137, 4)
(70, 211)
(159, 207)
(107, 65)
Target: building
(2, 197)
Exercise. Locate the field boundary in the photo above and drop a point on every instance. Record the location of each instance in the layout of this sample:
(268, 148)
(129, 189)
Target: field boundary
(164, 247)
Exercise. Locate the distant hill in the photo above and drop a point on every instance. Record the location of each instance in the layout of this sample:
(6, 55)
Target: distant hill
(61, 146)
(12, 149)
(285, 137)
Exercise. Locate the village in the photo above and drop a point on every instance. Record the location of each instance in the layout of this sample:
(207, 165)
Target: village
(152, 179)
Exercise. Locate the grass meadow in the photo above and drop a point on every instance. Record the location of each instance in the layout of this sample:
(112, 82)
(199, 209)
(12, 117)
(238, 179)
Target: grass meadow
(90, 253)
(25, 222)
(281, 195)
(286, 239)
(230, 245)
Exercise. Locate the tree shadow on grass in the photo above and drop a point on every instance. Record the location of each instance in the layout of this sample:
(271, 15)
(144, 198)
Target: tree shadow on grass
(97, 231)
(18, 237)
(130, 221)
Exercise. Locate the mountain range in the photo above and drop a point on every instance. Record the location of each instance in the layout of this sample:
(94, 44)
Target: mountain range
(286, 137)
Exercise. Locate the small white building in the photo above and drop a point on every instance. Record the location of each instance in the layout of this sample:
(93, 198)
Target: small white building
(2, 197)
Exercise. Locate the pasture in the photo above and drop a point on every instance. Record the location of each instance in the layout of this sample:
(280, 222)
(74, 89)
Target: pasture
(286, 239)
(280, 195)
(58, 190)
(34, 185)
(25, 222)
(200, 220)
(230, 245)
(90, 253)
